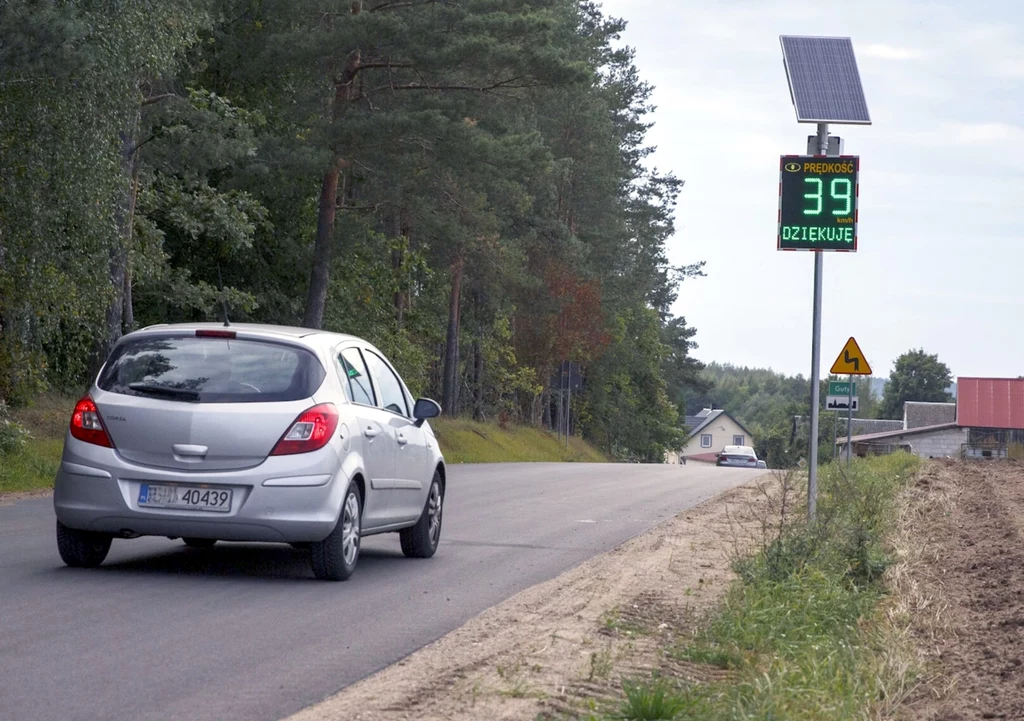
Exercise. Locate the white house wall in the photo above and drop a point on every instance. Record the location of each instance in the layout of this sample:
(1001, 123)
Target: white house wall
(722, 430)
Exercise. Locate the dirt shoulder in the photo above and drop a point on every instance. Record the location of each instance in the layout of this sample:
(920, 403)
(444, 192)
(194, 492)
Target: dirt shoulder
(12, 497)
(970, 626)
(562, 648)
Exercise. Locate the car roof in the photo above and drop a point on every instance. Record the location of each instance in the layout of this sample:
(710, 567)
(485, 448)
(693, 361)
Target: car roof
(747, 450)
(266, 329)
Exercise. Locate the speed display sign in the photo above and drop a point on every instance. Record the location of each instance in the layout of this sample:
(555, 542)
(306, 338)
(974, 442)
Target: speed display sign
(818, 202)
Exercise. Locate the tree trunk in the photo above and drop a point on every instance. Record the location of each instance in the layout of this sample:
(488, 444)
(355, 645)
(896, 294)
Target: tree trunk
(397, 266)
(124, 218)
(128, 312)
(450, 391)
(320, 278)
(478, 382)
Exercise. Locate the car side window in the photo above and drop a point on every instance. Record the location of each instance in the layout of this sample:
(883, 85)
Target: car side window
(357, 378)
(392, 397)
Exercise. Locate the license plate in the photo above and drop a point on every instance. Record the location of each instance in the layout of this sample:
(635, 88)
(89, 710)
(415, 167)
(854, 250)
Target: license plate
(185, 498)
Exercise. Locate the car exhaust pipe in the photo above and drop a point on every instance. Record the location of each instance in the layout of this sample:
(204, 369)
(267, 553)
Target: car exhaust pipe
(128, 533)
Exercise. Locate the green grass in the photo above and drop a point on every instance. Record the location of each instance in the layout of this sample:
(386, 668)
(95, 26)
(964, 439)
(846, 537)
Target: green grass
(801, 628)
(33, 465)
(466, 441)
(32, 468)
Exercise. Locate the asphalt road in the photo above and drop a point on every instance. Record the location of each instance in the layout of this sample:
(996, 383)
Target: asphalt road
(244, 632)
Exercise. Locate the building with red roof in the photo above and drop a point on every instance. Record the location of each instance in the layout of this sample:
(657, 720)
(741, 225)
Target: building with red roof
(989, 420)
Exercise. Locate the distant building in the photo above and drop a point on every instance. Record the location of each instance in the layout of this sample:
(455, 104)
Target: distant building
(940, 441)
(711, 430)
(986, 421)
(861, 426)
(919, 414)
(991, 411)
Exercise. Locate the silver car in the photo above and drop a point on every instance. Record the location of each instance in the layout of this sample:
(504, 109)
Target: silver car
(737, 457)
(208, 432)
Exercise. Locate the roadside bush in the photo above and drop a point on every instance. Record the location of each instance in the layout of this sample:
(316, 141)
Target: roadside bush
(13, 435)
(854, 511)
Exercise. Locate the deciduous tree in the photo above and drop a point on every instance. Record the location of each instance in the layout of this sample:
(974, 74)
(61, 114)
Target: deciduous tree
(916, 376)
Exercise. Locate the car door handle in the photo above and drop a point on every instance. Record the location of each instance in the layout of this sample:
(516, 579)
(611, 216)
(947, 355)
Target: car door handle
(370, 432)
(402, 440)
(186, 449)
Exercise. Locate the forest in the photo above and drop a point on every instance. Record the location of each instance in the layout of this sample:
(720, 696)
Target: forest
(464, 183)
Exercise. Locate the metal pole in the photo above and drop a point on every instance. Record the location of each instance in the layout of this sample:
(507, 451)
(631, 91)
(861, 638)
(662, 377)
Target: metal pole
(812, 476)
(849, 423)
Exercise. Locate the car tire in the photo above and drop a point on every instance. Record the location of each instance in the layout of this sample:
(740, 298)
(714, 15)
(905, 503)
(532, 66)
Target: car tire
(335, 557)
(82, 549)
(421, 540)
(199, 542)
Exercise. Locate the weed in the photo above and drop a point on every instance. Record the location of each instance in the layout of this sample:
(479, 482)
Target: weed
(658, 700)
(615, 622)
(13, 435)
(600, 664)
(518, 689)
(710, 655)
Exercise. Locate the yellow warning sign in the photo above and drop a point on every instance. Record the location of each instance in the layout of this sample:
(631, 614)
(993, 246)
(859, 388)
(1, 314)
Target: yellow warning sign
(851, 361)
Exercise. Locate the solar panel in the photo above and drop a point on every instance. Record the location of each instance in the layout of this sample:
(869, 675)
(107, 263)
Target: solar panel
(823, 80)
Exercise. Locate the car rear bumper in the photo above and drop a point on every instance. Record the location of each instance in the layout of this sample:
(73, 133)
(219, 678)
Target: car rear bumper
(286, 499)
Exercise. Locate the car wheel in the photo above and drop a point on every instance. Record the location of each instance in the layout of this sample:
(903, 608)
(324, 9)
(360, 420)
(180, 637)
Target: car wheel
(421, 540)
(199, 542)
(335, 557)
(82, 549)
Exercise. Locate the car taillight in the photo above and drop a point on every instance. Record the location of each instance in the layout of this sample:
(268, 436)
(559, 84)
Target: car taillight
(311, 431)
(215, 334)
(87, 426)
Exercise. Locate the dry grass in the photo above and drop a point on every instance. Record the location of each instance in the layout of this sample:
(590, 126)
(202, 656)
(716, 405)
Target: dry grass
(47, 418)
(914, 617)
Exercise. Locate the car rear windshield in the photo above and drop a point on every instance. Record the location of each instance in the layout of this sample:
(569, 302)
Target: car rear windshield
(212, 370)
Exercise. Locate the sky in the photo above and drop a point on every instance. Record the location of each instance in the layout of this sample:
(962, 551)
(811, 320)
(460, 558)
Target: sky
(940, 261)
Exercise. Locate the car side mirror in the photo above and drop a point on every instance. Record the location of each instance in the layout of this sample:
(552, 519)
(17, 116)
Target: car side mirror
(425, 408)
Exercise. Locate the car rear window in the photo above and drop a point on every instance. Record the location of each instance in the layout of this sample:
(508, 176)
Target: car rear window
(212, 370)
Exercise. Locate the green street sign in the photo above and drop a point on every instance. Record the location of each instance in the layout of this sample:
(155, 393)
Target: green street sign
(841, 388)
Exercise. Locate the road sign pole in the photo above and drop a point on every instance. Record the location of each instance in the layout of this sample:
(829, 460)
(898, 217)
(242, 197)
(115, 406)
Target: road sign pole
(812, 475)
(849, 424)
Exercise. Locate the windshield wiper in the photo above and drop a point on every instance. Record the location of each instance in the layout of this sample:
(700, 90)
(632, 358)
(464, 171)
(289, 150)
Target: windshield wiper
(158, 390)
